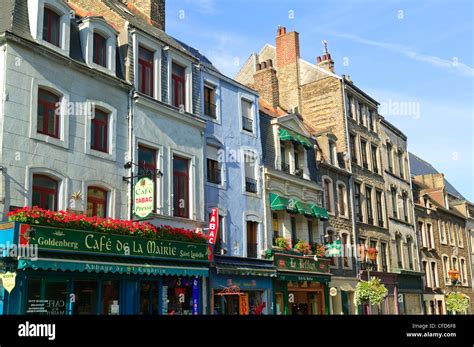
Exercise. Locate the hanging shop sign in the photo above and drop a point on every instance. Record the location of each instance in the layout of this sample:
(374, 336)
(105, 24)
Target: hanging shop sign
(333, 291)
(334, 249)
(143, 197)
(244, 304)
(297, 263)
(77, 241)
(8, 281)
(213, 226)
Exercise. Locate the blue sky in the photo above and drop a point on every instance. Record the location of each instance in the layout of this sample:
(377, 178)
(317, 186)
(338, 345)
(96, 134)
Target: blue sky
(415, 54)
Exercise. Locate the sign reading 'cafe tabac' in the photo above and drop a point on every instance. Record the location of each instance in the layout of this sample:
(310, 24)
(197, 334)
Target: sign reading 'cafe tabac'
(55, 239)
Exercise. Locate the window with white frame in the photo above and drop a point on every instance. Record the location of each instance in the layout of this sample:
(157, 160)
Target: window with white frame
(460, 232)
(452, 233)
(50, 22)
(434, 275)
(180, 82)
(429, 236)
(446, 268)
(328, 194)
(250, 164)
(463, 270)
(444, 239)
(427, 271)
(247, 115)
(98, 41)
(147, 55)
(332, 153)
(342, 199)
(421, 232)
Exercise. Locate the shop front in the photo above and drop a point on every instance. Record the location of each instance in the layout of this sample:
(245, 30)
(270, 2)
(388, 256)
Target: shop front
(342, 291)
(241, 286)
(410, 292)
(301, 286)
(77, 272)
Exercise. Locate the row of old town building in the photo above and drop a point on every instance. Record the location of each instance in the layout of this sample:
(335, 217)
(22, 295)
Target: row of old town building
(96, 95)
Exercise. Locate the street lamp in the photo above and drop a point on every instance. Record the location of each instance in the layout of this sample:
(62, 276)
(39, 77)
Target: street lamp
(371, 254)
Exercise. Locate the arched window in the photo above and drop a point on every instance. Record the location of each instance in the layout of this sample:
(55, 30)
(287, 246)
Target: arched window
(463, 270)
(96, 202)
(341, 199)
(328, 194)
(45, 192)
(410, 253)
(398, 247)
(446, 268)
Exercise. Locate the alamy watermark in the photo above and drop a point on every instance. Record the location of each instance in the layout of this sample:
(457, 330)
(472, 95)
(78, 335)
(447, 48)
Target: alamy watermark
(400, 108)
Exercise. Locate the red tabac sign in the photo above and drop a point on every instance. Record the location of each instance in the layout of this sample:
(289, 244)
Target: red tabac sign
(213, 225)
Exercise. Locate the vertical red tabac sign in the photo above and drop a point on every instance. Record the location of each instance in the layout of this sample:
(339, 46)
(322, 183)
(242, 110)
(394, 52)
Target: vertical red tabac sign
(213, 226)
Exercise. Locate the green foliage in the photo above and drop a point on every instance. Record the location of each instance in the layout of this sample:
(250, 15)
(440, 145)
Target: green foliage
(283, 243)
(372, 292)
(457, 302)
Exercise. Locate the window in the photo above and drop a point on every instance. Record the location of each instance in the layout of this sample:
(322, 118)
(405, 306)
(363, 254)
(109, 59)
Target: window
(350, 102)
(209, 102)
(45, 192)
(451, 233)
(375, 165)
(378, 201)
(147, 165)
(427, 274)
(344, 250)
(180, 187)
(310, 232)
(86, 293)
(51, 26)
(250, 176)
(460, 233)
(298, 166)
(370, 115)
(393, 195)
(383, 250)
(398, 247)
(110, 293)
(252, 239)
(405, 206)
(284, 166)
(368, 197)
(352, 145)
(178, 85)
(100, 50)
(293, 230)
(421, 231)
(443, 232)
(463, 271)
(247, 119)
(429, 235)
(328, 194)
(434, 275)
(145, 71)
(361, 113)
(276, 227)
(357, 202)
(400, 164)
(48, 117)
(341, 195)
(96, 202)
(410, 253)
(332, 153)
(363, 145)
(99, 130)
(446, 268)
(389, 157)
(213, 172)
(213, 167)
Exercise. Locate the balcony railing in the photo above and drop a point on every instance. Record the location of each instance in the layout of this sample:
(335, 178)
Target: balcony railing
(247, 124)
(299, 173)
(250, 185)
(210, 109)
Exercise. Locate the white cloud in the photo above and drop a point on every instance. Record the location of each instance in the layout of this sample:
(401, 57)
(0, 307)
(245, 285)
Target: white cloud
(453, 65)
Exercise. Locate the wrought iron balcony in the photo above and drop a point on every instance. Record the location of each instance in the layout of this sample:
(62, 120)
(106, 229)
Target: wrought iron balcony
(285, 167)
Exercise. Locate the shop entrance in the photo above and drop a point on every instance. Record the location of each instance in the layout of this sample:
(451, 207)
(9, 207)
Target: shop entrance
(241, 303)
(306, 302)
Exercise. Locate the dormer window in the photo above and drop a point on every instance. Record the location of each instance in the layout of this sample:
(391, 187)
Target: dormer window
(50, 22)
(100, 50)
(178, 88)
(98, 41)
(51, 26)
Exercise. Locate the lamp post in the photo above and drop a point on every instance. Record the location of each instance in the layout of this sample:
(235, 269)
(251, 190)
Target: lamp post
(370, 254)
(453, 275)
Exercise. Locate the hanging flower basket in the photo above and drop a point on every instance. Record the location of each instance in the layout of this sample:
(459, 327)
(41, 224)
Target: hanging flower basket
(370, 292)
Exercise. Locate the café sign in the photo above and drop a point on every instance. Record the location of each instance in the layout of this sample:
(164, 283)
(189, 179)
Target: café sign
(143, 197)
(56, 239)
(285, 262)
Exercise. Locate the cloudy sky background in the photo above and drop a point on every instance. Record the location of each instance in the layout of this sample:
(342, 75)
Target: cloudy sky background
(419, 53)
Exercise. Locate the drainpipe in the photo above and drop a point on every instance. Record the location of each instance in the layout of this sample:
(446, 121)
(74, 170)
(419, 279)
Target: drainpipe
(130, 147)
(351, 179)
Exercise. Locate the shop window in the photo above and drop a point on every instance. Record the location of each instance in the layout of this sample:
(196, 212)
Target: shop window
(145, 71)
(45, 192)
(110, 297)
(85, 292)
(148, 298)
(34, 305)
(180, 187)
(147, 165)
(252, 239)
(99, 131)
(178, 85)
(180, 295)
(48, 117)
(100, 50)
(51, 26)
(46, 296)
(96, 202)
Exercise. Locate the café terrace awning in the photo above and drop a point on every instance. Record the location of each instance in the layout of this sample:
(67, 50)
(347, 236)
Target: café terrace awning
(288, 135)
(279, 203)
(115, 265)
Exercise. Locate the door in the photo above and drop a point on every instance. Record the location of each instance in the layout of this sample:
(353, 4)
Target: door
(148, 298)
(315, 300)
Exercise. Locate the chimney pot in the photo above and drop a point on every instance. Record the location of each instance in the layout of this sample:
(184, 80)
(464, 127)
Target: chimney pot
(318, 59)
(259, 66)
(325, 56)
(269, 63)
(264, 65)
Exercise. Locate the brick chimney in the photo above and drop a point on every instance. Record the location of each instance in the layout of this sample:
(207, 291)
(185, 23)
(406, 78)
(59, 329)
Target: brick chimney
(151, 10)
(266, 83)
(287, 65)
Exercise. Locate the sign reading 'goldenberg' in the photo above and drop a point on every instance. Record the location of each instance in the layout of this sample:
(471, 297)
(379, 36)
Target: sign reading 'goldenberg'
(48, 238)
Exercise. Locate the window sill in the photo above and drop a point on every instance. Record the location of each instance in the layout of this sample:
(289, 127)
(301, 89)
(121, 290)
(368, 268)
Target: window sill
(215, 185)
(55, 48)
(248, 133)
(49, 140)
(103, 69)
(99, 154)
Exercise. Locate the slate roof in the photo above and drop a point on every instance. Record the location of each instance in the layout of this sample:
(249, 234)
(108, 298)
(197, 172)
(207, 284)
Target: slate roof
(420, 167)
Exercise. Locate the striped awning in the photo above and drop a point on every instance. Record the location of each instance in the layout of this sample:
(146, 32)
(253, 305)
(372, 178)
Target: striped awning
(288, 135)
(279, 203)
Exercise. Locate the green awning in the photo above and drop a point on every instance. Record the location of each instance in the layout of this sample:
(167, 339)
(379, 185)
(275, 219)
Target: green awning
(303, 208)
(278, 203)
(293, 206)
(288, 135)
(138, 267)
(319, 212)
